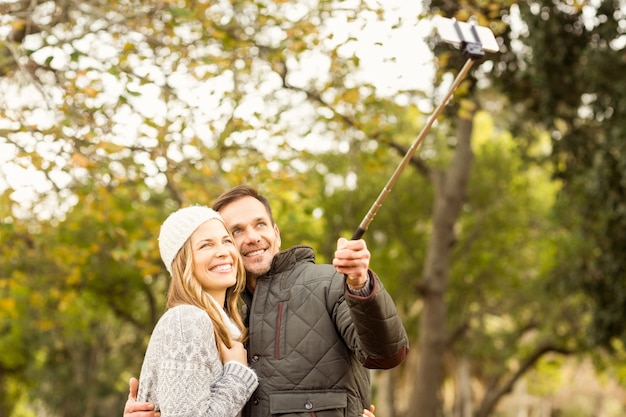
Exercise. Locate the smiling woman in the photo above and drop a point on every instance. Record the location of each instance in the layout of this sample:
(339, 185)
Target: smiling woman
(195, 360)
(215, 259)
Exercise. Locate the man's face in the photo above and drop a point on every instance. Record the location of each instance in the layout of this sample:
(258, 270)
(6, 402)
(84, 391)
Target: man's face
(255, 236)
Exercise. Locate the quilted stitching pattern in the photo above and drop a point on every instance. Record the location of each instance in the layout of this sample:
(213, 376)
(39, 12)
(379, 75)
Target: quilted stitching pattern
(302, 334)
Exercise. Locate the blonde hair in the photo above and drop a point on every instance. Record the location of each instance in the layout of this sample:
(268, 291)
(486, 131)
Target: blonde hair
(186, 289)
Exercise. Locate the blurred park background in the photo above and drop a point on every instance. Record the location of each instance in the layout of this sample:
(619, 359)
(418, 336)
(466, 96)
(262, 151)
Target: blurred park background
(503, 242)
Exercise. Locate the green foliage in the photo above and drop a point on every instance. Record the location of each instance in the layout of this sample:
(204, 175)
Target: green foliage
(559, 69)
(571, 84)
(505, 247)
(140, 108)
(70, 296)
(546, 377)
(397, 235)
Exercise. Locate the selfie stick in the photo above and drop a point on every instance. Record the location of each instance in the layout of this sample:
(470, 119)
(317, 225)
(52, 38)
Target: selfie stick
(474, 40)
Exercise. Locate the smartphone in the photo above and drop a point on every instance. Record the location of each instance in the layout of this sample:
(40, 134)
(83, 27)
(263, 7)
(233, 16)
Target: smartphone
(458, 33)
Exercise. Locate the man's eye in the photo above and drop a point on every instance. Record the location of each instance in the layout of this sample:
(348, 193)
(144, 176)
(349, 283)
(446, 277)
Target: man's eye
(235, 232)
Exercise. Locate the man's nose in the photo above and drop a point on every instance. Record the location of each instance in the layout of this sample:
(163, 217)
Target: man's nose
(252, 236)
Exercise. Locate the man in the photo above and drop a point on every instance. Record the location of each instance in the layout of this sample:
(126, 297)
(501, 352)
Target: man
(313, 329)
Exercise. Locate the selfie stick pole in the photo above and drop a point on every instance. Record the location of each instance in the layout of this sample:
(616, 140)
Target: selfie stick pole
(474, 51)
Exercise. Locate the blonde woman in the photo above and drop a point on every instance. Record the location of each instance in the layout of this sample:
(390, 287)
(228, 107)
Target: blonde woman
(195, 363)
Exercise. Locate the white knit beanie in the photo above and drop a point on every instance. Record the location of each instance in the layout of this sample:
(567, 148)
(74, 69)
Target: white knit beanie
(178, 227)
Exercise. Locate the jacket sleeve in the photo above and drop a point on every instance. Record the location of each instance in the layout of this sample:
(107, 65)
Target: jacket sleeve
(371, 327)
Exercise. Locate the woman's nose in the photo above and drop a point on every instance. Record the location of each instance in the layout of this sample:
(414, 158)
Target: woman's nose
(222, 250)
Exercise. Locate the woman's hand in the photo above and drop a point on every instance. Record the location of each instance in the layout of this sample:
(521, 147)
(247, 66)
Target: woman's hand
(236, 353)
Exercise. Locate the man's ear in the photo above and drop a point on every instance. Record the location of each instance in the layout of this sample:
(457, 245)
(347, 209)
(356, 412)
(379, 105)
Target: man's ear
(277, 232)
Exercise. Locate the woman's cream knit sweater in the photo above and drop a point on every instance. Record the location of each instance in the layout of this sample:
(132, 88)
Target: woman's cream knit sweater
(182, 373)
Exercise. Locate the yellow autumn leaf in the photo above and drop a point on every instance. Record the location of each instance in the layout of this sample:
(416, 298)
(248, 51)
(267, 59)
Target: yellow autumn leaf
(91, 92)
(45, 324)
(80, 160)
(7, 305)
(351, 96)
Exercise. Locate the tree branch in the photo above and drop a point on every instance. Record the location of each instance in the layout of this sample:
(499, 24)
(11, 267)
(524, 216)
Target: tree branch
(492, 397)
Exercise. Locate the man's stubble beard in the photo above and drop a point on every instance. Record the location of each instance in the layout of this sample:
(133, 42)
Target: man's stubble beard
(257, 269)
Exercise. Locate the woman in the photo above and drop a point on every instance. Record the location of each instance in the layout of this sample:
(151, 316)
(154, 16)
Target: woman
(195, 363)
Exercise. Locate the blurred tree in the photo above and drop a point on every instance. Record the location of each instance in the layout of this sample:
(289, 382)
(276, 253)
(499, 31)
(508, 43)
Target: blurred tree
(447, 176)
(572, 84)
(498, 314)
(545, 72)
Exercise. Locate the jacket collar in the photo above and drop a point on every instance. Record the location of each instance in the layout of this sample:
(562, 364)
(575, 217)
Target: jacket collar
(283, 261)
(288, 258)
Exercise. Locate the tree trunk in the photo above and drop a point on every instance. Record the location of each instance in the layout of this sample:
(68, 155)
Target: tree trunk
(450, 189)
(385, 401)
(463, 403)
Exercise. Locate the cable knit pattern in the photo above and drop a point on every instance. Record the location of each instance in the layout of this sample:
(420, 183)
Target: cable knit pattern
(182, 373)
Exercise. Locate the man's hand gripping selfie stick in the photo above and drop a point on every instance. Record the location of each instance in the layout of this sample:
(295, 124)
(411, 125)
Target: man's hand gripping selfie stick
(474, 40)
